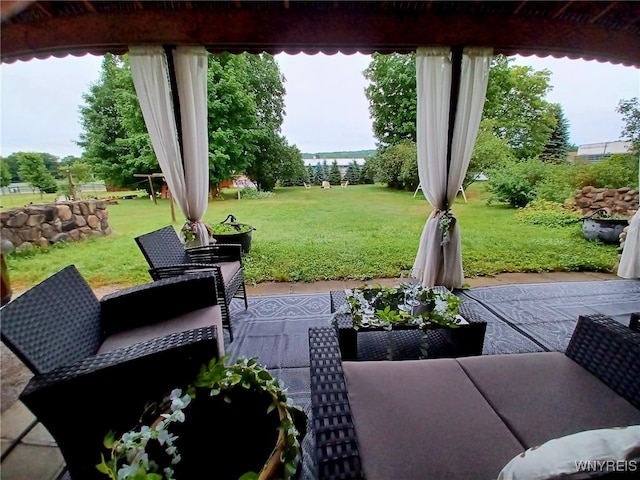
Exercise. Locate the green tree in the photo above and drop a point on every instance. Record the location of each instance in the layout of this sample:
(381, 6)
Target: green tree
(557, 147)
(392, 97)
(245, 110)
(630, 111)
(319, 176)
(335, 177)
(33, 170)
(5, 174)
(368, 170)
(393, 160)
(515, 101)
(489, 151)
(275, 160)
(352, 175)
(11, 161)
(310, 174)
(104, 137)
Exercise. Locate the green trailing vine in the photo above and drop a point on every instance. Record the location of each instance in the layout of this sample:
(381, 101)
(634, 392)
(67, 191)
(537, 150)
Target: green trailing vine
(129, 457)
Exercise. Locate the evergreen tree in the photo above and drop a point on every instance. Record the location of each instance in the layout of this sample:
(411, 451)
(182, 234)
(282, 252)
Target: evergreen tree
(319, 175)
(349, 175)
(335, 177)
(555, 151)
(310, 175)
(356, 172)
(325, 170)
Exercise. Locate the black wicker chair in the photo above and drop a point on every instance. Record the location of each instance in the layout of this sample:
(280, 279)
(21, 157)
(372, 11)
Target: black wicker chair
(607, 349)
(81, 387)
(167, 257)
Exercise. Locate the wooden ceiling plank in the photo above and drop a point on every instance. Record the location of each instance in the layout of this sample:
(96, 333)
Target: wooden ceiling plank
(520, 7)
(398, 26)
(89, 6)
(43, 9)
(604, 11)
(562, 9)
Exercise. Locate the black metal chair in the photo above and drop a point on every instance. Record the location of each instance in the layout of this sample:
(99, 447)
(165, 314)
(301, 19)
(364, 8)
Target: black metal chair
(96, 363)
(167, 257)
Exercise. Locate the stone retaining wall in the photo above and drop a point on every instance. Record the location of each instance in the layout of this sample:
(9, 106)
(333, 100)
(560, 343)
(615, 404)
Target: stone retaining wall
(617, 201)
(43, 225)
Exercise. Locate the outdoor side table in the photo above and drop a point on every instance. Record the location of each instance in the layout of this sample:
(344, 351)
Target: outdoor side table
(465, 340)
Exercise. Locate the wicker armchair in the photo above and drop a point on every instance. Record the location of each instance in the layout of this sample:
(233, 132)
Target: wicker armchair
(603, 347)
(89, 377)
(167, 257)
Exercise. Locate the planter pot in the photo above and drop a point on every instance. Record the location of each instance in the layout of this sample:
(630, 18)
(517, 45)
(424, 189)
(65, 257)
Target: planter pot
(244, 239)
(229, 439)
(604, 229)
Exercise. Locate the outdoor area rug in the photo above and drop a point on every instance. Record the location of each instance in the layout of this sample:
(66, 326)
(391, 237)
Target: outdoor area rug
(547, 313)
(275, 330)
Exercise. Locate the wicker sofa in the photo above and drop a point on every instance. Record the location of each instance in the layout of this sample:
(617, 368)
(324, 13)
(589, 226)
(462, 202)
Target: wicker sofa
(463, 418)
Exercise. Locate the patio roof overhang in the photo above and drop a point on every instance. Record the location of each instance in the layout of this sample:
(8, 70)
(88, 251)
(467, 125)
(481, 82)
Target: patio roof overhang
(605, 31)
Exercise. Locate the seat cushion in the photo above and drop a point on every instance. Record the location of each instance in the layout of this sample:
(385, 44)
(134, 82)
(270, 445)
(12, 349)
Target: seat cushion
(229, 270)
(541, 396)
(425, 419)
(202, 317)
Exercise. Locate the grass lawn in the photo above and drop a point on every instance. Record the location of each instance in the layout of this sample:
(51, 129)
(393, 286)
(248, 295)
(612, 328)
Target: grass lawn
(359, 232)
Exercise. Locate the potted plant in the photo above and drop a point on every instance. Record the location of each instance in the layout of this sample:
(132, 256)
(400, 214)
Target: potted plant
(230, 231)
(234, 420)
(600, 225)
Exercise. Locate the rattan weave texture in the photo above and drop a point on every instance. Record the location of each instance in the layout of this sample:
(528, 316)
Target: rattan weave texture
(336, 444)
(610, 351)
(56, 322)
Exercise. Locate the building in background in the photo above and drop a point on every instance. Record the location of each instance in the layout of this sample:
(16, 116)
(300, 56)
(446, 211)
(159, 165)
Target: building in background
(595, 152)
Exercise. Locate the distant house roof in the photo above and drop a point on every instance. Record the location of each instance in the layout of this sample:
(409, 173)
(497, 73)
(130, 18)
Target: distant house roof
(605, 148)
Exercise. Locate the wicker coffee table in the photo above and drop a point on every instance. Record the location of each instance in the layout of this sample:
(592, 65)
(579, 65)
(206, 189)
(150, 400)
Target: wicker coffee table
(372, 343)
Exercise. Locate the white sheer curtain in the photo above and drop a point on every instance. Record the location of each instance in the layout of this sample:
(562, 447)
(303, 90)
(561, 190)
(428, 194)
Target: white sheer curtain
(439, 255)
(630, 261)
(188, 177)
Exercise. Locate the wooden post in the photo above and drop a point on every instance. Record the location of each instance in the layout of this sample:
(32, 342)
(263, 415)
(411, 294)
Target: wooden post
(72, 187)
(173, 210)
(153, 194)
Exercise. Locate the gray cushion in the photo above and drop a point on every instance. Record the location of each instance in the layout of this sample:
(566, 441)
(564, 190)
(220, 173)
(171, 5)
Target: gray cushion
(202, 317)
(425, 419)
(541, 396)
(228, 270)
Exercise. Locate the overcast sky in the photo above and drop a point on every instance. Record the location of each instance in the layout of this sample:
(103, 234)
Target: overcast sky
(326, 109)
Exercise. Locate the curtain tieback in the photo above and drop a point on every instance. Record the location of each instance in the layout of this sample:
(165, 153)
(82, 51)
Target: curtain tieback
(446, 221)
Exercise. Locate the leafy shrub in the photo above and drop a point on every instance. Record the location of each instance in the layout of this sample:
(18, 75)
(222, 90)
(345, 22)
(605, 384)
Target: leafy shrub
(557, 185)
(617, 171)
(547, 214)
(515, 182)
(255, 194)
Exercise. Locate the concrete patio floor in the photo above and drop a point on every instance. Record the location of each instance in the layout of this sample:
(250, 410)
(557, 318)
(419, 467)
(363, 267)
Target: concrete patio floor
(32, 453)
